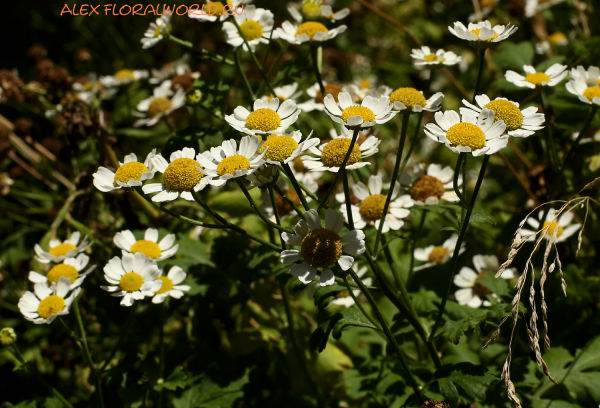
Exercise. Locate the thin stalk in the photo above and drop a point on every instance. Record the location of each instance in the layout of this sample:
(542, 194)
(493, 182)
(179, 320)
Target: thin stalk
(413, 382)
(347, 199)
(257, 209)
(276, 213)
(282, 49)
(342, 169)
(552, 156)
(122, 333)
(459, 241)
(579, 137)
(357, 303)
(463, 201)
(288, 200)
(242, 74)
(205, 54)
(388, 198)
(479, 73)
(292, 177)
(313, 54)
(161, 351)
(414, 244)
(17, 353)
(86, 351)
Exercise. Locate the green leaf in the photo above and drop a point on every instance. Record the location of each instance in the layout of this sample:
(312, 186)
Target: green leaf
(498, 286)
(177, 379)
(455, 330)
(351, 319)
(325, 294)
(320, 336)
(482, 216)
(191, 252)
(22, 404)
(53, 402)
(209, 394)
(514, 56)
(471, 378)
(544, 65)
(449, 391)
(454, 229)
(143, 133)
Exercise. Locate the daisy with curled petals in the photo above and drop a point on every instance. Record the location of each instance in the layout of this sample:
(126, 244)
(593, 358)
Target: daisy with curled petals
(330, 155)
(475, 134)
(130, 173)
(59, 250)
(535, 6)
(283, 93)
(425, 56)
(266, 118)
(215, 10)
(585, 84)
(155, 33)
(132, 278)
(315, 10)
(411, 100)
(519, 123)
(71, 268)
(344, 298)
(321, 248)
(255, 23)
(428, 187)
(158, 106)
(171, 285)
(180, 176)
(551, 77)
(48, 302)
(482, 34)
(473, 291)
(149, 246)
(370, 112)
(563, 226)
(228, 161)
(437, 255)
(306, 32)
(316, 101)
(123, 77)
(286, 147)
(369, 208)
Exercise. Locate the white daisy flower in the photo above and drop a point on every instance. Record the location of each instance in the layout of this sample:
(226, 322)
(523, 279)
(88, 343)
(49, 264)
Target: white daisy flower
(427, 188)
(316, 101)
(263, 176)
(564, 224)
(481, 34)
(314, 10)
(132, 278)
(585, 84)
(412, 100)
(215, 10)
(330, 155)
(557, 39)
(519, 123)
(149, 246)
(320, 248)
(59, 250)
(158, 106)
(594, 138)
(180, 176)
(123, 77)
(266, 117)
(369, 208)
(178, 67)
(130, 173)
(306, 32)
(533, 7)
(283, 93)
(437, 255)
(286, 147)
(344, 298)
(475, 134)
(171, 285)
(255, 23)
(473, 291)
(89, 88)
(228, 161)
(48, 302)
(551, 77)
(155, 33)
(71, 268)
(425, 56)
(370, 112)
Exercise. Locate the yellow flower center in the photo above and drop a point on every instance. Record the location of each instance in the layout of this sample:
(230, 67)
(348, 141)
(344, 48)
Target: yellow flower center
(506, 111)
(409, 97)
(62, 249)
(537, 78)
(125, 74)
(310, 28)
(334, 152)
(477, 30)
(210, 8)
(68, 271)
(232, 163)
(167, 285)
(432, 58)
(466, 134)
(438, 255)
(148, 248)
(51, 305)
(592, 92)
(263, 119)
(130, 171)
(552, 226)
(281, 98)
(182, 174)
(280, 147)
(366, 113)
(427, 186)
(371, 208)
(159, 106)
(557, 38)
(130, 282)
(311, 9)
(158, 30)
(321, 248)
(299, 165)
(251, 29)
(332, 89)
(364, 83)
(480, 289)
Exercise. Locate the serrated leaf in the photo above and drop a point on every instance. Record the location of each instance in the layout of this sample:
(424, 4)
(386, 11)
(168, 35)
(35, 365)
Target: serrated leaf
(351, 319)
(456, 330)
(449, 391)
(177, 379)
(472, 379)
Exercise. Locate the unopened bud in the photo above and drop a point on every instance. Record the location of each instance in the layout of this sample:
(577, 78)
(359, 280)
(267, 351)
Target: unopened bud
(8, 336)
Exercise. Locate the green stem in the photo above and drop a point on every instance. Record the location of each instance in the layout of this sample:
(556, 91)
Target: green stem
(459, 241)
(347, 199)
(242, 74)
(313, 53)
(257, 209)
(552, 156)
(161, 348)
(414, 245)
(388, 198)
(463, 201)
(340, 171)
(288, 200)
(579, 137)
(479, 73)
(292, 177)
(276, 213)
(17, 353)
(357, 303)
(205, 54)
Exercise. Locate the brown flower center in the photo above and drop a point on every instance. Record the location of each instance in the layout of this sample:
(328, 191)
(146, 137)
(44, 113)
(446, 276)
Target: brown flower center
(425, 187)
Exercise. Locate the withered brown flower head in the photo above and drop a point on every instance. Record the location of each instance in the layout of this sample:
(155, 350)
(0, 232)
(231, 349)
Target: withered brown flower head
(23, 126)
(77, 117)
(83, 54)
(434, 404)
(43, 68)
(184, 82)
(37, 52)
(11, 85)
(58, 79)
